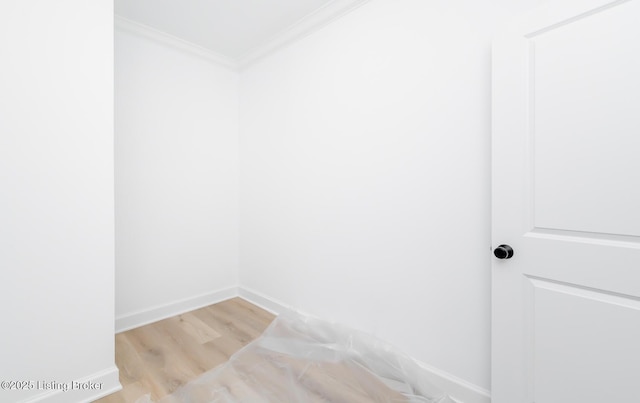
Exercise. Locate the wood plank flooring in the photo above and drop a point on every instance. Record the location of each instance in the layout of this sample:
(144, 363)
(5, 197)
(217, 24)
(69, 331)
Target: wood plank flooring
(158, 358)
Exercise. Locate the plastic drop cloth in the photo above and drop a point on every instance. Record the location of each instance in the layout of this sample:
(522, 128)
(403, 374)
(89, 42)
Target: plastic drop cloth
(305, 360)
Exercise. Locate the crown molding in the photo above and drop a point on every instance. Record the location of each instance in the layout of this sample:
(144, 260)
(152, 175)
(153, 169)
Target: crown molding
(163, 38)
(303, 27)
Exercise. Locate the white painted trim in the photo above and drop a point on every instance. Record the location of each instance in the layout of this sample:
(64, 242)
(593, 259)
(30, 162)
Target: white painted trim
(303, 27)
(163, 38)
(154, 314)
(458, 389)
(537, 20)
(264, 302)
(108, 379)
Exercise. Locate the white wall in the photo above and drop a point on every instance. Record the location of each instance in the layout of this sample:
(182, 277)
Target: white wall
(365, 176)
(56, 196)
(176, 154)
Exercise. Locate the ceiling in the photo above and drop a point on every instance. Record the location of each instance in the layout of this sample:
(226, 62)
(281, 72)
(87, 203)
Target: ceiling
(231, 28)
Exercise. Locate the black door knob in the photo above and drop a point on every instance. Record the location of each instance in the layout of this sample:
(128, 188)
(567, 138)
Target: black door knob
(503, 252)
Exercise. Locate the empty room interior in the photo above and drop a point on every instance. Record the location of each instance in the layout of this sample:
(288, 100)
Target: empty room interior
(320, 201)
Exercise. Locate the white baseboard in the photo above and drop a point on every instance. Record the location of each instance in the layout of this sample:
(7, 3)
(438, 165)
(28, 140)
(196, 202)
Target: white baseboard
(87, 389)
(459, 390)
(154, 314)
(264, 302)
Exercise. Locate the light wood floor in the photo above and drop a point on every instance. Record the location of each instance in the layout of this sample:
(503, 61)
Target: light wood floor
(158, 358)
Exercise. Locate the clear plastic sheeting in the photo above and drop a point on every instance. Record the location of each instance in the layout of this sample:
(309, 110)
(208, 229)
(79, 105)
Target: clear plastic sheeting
(300, 359)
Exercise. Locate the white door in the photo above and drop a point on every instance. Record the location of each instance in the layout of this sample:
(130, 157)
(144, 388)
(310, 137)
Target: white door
(566, 198)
